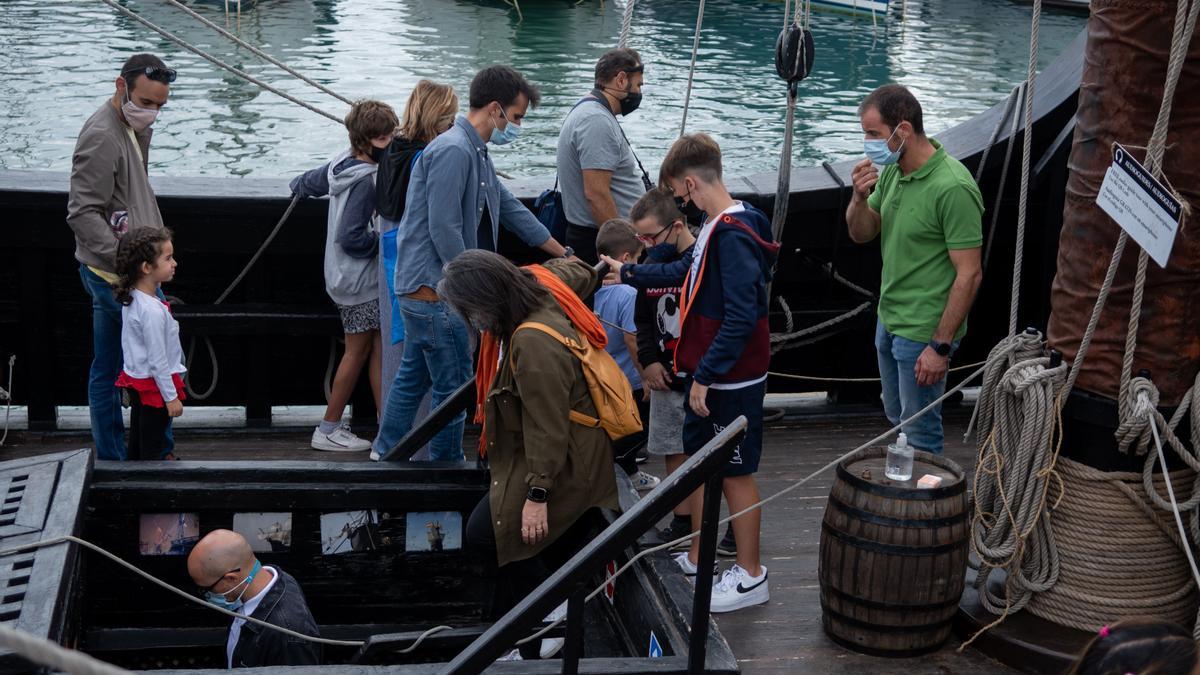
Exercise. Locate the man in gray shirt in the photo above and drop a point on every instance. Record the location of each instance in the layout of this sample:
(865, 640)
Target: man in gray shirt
(110, 193)
(600, 177)
(455, 202)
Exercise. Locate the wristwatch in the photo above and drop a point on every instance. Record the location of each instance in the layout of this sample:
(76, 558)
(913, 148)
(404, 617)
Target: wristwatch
(942, 348)
(538, 495)
(568, 252)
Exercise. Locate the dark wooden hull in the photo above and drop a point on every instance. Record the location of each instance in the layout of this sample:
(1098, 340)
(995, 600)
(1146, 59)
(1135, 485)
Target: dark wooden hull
(274, 335)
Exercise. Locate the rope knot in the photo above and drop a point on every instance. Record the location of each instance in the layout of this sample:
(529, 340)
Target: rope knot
(1137, 414)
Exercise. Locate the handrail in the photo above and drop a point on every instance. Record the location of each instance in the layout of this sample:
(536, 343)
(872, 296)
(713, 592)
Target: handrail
(702, 468)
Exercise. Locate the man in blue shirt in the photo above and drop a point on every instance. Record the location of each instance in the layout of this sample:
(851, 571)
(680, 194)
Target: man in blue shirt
(455, 202)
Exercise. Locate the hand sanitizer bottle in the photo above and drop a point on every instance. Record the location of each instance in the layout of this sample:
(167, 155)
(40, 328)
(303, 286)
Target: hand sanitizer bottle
(899, 459)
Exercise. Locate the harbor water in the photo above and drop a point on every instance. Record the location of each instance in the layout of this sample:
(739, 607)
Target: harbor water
(61, 56)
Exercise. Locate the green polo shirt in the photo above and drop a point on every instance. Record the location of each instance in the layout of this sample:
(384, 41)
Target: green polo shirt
(925, 214)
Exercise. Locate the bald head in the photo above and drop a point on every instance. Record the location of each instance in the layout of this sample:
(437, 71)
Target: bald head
(219, 552)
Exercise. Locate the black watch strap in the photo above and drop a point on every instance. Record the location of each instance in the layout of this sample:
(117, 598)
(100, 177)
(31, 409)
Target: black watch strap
(538, 495)
(942, 348)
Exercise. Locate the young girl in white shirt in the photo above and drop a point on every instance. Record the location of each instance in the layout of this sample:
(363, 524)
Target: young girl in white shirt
(153, 358)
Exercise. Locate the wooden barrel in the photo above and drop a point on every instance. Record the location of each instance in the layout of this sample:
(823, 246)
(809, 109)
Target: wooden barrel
(893, 556)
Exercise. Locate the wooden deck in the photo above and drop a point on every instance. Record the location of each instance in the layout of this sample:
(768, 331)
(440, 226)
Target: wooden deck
(783, 636)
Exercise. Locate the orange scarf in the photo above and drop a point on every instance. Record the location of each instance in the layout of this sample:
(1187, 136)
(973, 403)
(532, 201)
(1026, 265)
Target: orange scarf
(489, 345)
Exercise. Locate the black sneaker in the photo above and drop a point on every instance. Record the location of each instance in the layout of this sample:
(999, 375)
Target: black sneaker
(679, 527)
(727, 546)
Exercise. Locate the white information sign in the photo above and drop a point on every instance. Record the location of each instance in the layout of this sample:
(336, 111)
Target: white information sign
(1141, 205)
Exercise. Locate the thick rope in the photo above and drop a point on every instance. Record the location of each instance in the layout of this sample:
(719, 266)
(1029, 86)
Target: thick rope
(687, 97)
(1120, 557)
(218, 62)
(1134, 431)
(626, 24)
(1018, 419)
(46, 653)
(783, 341)
(258, 52)
(1107, 564)
(1027, 151)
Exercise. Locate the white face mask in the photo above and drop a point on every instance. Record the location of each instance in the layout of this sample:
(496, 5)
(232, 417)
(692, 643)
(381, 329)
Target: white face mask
(138, 119)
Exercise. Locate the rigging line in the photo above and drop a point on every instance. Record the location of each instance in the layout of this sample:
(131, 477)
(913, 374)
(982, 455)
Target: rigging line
(626, 23)
(218, 62)
(257, 52)
(687, 98)
(1026, 152)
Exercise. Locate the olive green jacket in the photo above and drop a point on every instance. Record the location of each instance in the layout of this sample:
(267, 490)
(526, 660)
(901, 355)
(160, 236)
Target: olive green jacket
(531, 440)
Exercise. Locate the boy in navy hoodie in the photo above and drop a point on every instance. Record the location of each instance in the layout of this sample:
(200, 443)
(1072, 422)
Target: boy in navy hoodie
(724, 345)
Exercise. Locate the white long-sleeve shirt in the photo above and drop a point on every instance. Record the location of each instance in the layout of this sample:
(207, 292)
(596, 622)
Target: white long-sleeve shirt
(150, 343)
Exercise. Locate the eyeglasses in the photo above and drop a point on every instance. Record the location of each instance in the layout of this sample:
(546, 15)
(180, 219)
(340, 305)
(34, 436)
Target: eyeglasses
(164, 75)
(652, 239)
(209, 588)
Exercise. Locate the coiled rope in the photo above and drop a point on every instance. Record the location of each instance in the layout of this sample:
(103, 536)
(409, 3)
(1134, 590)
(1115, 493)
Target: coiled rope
(217, 62)
(1068, 540)
(1018, 418)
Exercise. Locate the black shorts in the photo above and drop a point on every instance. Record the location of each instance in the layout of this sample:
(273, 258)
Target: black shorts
(724, 406)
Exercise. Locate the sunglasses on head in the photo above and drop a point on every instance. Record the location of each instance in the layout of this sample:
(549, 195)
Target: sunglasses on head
(164, 75)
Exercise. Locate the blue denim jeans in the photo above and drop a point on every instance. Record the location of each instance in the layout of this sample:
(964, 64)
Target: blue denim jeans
(104, 399)
(902, 397)
(436, 360)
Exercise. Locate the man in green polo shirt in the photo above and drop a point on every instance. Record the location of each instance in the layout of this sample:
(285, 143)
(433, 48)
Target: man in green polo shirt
(926, 209)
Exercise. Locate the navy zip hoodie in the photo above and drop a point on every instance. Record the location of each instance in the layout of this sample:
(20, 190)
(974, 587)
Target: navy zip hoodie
(725, 336)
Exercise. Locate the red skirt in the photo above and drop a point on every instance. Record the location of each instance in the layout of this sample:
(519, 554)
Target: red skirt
(147, 388)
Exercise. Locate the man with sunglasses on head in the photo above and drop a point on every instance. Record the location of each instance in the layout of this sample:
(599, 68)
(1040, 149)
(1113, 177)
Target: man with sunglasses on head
(229, 576)
(110, 193)
(600, 175)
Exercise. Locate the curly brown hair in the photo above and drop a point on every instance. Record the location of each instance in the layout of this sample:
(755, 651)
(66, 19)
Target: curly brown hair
(369, 119)
(140, 245)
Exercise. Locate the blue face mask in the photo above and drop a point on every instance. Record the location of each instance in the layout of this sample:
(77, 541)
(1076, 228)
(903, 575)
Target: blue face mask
(508, 134)
(219, 599)
(877, 150)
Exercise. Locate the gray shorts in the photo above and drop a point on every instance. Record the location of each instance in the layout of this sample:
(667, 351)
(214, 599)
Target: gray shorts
(359, 318)
(666, 423)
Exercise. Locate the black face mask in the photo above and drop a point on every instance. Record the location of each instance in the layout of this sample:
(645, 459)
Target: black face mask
(690, 211)
(632, 100)
(378, 154)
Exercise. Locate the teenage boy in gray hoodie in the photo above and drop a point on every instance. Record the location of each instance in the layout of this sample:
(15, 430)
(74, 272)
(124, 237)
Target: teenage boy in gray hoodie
(351, 274)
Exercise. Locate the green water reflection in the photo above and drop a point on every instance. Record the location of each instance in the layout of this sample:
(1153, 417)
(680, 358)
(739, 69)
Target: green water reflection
(60, 57)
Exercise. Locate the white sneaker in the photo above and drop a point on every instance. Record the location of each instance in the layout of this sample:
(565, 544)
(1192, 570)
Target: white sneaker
(375, 456)
(737, 590)
(341, 440)
(643, 481)
(689, 570)
(551, 646)
(514, 655)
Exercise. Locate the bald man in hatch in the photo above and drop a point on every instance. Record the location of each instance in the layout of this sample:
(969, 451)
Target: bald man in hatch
(225, 568)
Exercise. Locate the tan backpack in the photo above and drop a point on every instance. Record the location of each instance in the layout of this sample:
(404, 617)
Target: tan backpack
(610, 389)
